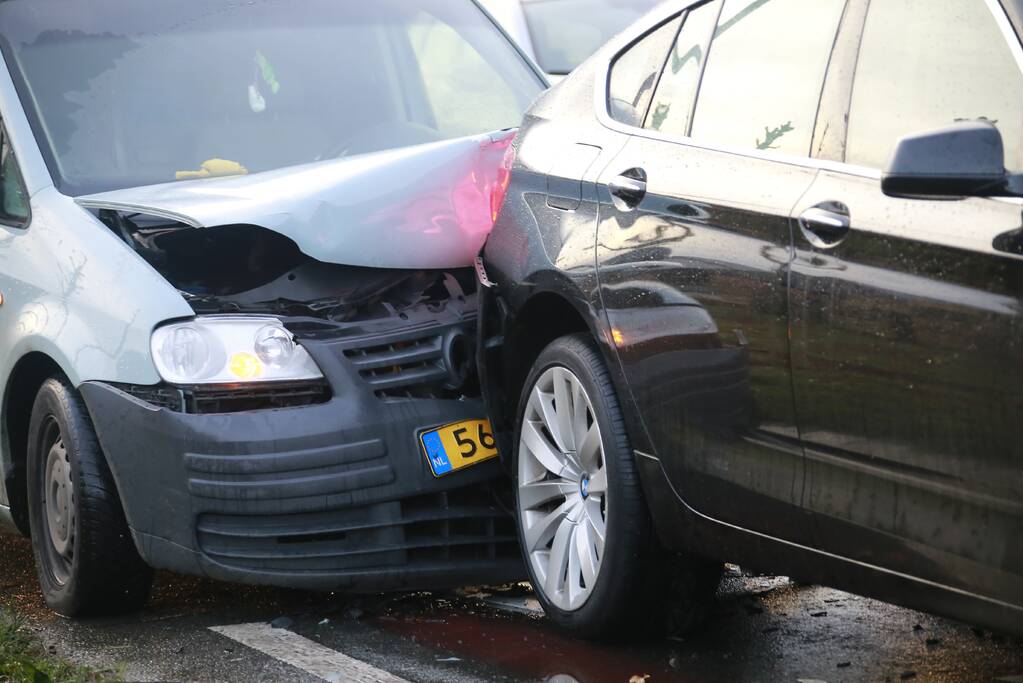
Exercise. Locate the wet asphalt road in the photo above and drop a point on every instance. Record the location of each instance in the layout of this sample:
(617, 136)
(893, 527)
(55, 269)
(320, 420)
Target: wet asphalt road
(764, 629)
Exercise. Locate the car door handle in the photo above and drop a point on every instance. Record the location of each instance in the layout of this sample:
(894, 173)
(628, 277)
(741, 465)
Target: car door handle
(825, 226)
(628, 189)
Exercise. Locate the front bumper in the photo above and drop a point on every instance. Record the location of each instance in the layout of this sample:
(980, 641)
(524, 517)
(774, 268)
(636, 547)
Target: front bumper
(328, 496)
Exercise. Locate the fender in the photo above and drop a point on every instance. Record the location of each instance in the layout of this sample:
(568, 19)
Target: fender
(76, 293)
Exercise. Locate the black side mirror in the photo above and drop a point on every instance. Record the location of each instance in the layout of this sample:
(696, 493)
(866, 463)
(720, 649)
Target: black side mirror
(963, 160)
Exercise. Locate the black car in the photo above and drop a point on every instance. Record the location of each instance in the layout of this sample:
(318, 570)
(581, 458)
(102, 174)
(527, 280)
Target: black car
(754, 295)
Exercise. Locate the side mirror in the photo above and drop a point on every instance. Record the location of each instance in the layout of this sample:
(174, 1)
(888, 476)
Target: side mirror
(963, 160)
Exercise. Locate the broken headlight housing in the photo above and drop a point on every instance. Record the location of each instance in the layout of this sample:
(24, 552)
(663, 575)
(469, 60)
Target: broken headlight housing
(229, 350)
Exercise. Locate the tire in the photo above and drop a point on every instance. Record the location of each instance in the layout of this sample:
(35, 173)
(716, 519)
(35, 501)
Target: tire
(637, 587)
(85, 557)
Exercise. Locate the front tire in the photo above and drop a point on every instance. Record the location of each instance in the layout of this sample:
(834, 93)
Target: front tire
(590, 547)
(85, 557)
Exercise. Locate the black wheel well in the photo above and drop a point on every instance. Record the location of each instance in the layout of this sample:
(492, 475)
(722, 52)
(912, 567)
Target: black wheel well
(19, 396)
(544, 318)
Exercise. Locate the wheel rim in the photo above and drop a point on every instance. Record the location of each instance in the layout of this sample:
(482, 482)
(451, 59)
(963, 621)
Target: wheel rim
(562, 492)
(58, 505)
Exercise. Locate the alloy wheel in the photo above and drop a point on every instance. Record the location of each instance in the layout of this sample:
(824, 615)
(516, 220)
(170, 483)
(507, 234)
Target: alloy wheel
(562, 490)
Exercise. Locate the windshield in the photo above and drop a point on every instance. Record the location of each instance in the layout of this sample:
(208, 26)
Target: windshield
(566, 32)
(120, 98)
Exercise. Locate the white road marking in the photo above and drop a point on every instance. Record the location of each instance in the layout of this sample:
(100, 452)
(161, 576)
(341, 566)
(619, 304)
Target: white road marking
(304, 654)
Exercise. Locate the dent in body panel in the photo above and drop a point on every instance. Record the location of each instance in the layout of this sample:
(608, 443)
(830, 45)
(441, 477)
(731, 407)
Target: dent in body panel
(539, 254)
(427, 206)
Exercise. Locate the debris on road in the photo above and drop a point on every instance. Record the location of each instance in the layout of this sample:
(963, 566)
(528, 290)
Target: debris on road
(282, 622)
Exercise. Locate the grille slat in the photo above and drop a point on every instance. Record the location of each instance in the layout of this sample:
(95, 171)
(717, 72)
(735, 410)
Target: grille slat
(281, 463)
(293, 487)
(416, 363)
(432, 530)
(406, 377)
(297, 552)
(301, 529)
(423, 352)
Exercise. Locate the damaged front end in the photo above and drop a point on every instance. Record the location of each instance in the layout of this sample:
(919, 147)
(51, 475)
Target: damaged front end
(321, 480)
(408, 332)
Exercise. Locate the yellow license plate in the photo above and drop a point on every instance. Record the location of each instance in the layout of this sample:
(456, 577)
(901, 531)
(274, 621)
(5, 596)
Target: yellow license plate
(458, 445)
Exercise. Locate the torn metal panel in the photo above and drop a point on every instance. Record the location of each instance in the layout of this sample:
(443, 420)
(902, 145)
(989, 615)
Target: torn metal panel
(427, 206)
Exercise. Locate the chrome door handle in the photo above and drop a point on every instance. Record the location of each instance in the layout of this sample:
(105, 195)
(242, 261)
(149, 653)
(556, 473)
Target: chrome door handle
(825, 226)
(628, 189)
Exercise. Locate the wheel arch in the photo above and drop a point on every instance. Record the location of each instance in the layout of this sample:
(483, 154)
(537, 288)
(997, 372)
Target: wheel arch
(20, 392)
(544, 317)
(530, 325)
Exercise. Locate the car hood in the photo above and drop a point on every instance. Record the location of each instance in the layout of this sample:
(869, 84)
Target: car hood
(427, 206)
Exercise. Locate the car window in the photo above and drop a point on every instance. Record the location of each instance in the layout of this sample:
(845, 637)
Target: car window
(926, 64)
(119, 98)
(764, 74)
(673, 101)
(452, 65)
(565, 32)
(14, 208)
(634, 74)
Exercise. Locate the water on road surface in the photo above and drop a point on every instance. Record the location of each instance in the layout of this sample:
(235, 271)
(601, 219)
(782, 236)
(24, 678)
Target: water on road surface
(763, 629)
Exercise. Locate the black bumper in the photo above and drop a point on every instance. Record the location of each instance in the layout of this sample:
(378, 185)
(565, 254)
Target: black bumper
(328, 496)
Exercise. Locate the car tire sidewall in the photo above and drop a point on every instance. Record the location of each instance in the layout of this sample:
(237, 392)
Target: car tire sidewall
(620, 572)
(48, 404)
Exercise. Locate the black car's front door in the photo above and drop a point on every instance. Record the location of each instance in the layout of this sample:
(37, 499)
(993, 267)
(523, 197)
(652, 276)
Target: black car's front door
(907, 330)
(694, 245)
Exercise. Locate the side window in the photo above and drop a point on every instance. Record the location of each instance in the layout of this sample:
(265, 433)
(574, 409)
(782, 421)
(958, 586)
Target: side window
(676, 91)
(634, 74)
(764, 74)
(14, 207)
(926, 64)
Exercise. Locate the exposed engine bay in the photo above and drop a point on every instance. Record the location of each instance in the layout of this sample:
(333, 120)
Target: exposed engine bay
(249, 269)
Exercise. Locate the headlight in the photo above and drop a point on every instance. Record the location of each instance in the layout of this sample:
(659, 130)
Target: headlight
(227, 350)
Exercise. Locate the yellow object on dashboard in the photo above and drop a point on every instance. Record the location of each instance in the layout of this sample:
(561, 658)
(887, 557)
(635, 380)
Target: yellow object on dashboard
(213, 168)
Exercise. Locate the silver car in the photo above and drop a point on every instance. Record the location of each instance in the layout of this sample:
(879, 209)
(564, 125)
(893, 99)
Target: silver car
(236, 326)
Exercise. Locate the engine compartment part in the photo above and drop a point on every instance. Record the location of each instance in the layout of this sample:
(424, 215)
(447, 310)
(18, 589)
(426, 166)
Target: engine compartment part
(250, 269)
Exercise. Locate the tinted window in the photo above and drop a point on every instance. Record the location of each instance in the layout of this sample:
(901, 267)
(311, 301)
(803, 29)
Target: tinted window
(565, 32)
(673, 102)
(121, 98)
(925, 64)
(13, 197)
(764, 74)
(634, 74)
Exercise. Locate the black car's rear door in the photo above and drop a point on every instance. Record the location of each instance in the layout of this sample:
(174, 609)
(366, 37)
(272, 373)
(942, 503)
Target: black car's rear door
(907, 326)
(694, 245)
